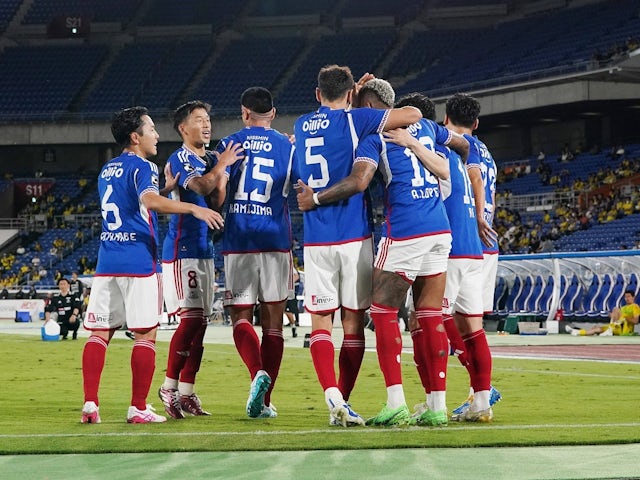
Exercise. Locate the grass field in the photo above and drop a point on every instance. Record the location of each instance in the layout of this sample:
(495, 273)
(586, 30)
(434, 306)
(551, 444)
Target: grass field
(545, 403)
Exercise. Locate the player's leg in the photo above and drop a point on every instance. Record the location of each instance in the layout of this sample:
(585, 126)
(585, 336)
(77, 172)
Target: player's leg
(105, 314)
(143, 307)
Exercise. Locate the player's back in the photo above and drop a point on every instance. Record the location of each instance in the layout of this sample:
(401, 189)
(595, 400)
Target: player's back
(480, 157)
(128, 242)
(257, 214)
(412, 202)
(188, 236)
(325, 146)
(459, 203)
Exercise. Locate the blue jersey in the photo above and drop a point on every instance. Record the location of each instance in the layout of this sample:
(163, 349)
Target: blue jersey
(257, 214)
(325, 151)
(412, 200)
(480, 157)
(129, 239)
(460, 205)
(187, 237)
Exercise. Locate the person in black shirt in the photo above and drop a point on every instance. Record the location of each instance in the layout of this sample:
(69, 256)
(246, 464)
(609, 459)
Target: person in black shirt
(67, 306)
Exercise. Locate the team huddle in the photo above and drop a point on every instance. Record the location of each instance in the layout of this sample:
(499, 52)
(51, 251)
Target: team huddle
(438, 250)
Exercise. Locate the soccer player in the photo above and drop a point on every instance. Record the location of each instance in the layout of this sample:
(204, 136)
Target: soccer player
(338, 249)
(622, 320)
(187, 253)
(127, 287)
(415, 241)
(462, 112)
(257, 244)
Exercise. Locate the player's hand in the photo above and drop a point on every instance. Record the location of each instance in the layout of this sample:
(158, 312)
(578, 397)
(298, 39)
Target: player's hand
(212, 218)
(170, 181)
(488, 235)
(399, 136)
(363, 79)
(231, 154)
(304, 196)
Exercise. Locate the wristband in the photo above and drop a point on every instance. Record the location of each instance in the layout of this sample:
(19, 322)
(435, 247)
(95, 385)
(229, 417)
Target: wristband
(316, 200)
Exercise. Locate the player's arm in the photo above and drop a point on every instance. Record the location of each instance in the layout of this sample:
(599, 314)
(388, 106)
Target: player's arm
(402, 117)
(358, 180)
(431, 160)
(156, 202)
(216, 177)
(487, 234)
(460, 145)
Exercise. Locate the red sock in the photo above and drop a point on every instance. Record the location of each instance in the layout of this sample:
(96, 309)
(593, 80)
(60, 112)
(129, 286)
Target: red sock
(349, 361)
(272, 350)
(194, 360)
(93, 356)
(143, 364)
(456, 341)
(480, 356)
(323, 356)
(388, 342)
(417, 336)
(180, 347)
(248, 345)
(436, 346)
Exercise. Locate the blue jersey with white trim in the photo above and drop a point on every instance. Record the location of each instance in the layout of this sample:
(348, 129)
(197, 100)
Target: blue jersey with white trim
(460, 205)
(129, 240)
(412, 200)
(480, 157)
(325, 151)
(187, 236)
(257, 213)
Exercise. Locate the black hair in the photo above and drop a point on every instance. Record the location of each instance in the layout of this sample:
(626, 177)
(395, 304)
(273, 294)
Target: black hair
(631, 292)
(463, 110)
(421, 102)
(184, 110)
(125, 122)
(257, 99)
(63, 279)
(334, 81)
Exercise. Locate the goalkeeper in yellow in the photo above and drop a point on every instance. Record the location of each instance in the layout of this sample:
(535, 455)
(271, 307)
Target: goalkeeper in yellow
(623, 320)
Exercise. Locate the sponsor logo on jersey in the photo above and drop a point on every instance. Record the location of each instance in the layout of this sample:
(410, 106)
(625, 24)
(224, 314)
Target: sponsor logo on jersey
(317, 300)
(316, 123)
(257, 144)
(112, 170)
(413, 129)
(99, 318)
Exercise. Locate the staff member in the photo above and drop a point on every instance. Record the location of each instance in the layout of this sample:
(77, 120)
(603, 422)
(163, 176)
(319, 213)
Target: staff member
(67, 306)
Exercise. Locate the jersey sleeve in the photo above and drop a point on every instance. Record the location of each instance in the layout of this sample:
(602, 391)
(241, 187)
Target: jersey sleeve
(369, 150)
(474, 160)
(443, 135)
(369, 120)
(146, 179)
(182, 164)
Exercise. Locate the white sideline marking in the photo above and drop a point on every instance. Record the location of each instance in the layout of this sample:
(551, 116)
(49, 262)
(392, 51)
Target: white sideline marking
(325, 430)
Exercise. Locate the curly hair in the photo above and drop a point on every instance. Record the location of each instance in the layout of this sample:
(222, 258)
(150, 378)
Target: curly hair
(462, 109)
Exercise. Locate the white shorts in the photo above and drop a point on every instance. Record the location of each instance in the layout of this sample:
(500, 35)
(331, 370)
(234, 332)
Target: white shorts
(188, 283)
(489, 272)
(115, 302)
(461, 292)
(415, 257)
(338, 275)
(251, 277)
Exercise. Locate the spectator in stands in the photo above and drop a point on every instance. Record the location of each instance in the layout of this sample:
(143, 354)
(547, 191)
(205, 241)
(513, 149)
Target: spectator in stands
(622, 320)
(4, 294)
(76, 286)
(32, 293)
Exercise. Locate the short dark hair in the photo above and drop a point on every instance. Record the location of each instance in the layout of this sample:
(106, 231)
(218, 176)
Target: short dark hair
(463, 109)
(63, 279)
(631, 292)
(421, 102)
(125, 122)
(183, 111)
(257, 99)
(334, 81)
